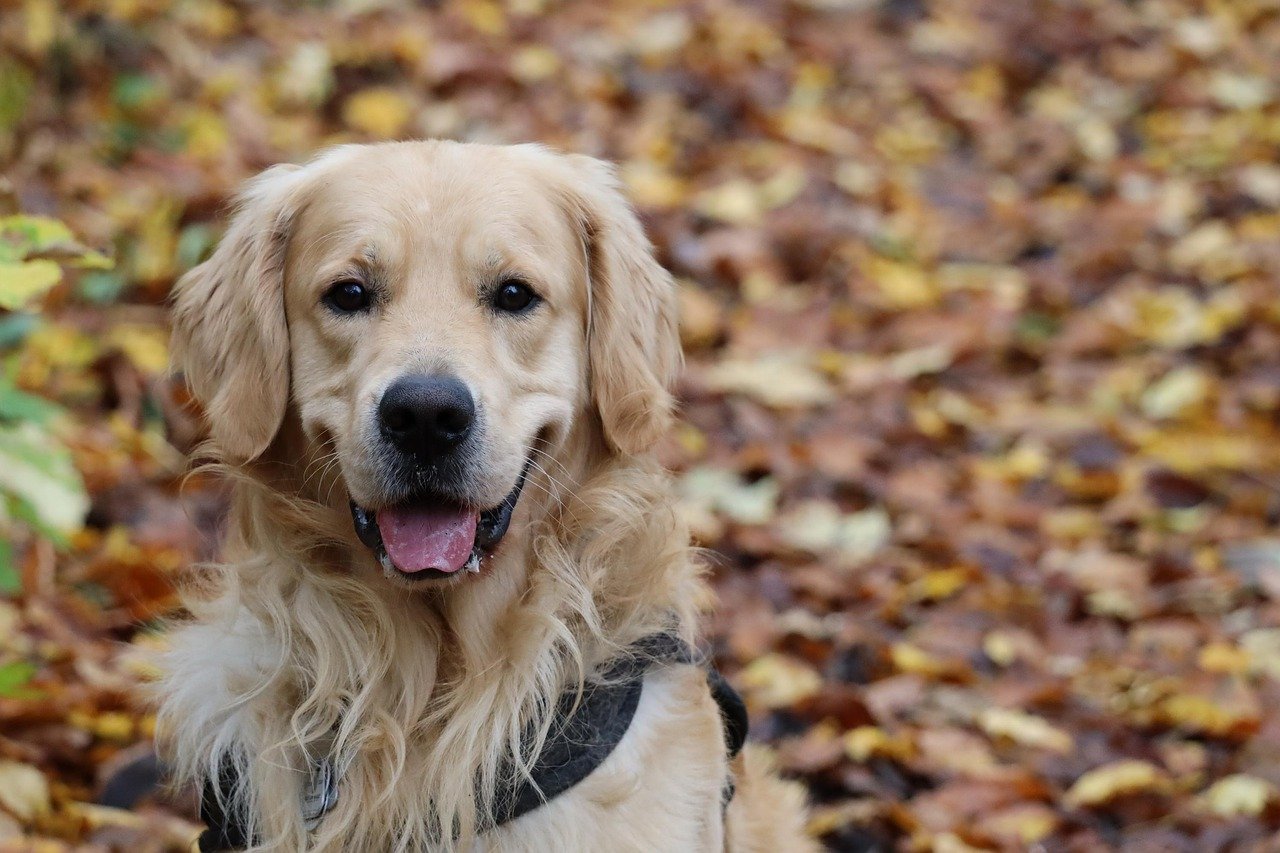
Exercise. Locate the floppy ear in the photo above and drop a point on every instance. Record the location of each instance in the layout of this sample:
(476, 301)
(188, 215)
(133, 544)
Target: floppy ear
(229, 333)
(633, 340)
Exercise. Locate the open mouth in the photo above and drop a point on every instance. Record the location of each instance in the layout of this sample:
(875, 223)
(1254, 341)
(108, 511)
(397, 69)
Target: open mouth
(430, 538)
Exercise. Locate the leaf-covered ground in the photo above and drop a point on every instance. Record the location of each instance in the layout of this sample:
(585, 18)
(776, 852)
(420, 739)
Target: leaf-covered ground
(982, 406)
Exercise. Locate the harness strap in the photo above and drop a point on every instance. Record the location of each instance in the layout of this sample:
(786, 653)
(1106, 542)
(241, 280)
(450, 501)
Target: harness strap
(588, 725)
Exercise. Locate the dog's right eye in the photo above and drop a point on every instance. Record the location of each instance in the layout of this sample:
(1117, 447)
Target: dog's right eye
(348, 296)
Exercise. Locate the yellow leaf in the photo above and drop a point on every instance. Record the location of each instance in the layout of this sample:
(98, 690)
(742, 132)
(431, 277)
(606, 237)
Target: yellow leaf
(1024, 824)
(24, 792)
(701, 316)
(865, 742)
(1200, 713)
(306, 78)
(735, 202)
(939, 584)
(1001, 647)
(1117, 779)
(146, 346)
(23, 281)
(1239, 795)
(1263, 646)
(914, 660)
(1175, 392)
(820, 526)
(534, 63)
(114, 725)
(901, 285)
(1239, 91)
(857, 178)
(692, 440)
(776, 681)
(98, 817)
(1072, 523)
(1024, 461)
(36, 233)
(1224, 657)
(61, 345)
(653, 186)
(1026, 729)
(41, 22)
(485, 16)
(212, 19)
(949, 842)
(1173, 317)
(206, 134)
(380, 112)
(661, 34)
(156, 249)
(780, 381)
(782, 187)
(1210, 251)
(1097, 139)
(1193, 451)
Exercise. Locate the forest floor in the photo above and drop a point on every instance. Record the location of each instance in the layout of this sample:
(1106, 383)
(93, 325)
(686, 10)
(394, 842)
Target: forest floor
(981, 415)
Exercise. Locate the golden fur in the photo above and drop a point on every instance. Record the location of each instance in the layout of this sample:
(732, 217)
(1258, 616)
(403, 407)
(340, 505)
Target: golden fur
(299, 646)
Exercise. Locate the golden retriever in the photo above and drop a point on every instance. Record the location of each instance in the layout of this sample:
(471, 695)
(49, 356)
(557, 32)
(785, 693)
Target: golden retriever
(434, 373)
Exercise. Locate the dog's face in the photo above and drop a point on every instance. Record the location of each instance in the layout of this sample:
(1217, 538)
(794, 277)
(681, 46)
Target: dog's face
(437, 318)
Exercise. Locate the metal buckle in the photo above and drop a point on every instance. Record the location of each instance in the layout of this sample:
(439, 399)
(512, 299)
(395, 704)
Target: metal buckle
(320, 794)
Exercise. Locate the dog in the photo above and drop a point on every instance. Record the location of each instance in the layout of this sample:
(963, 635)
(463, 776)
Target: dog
(434, 373)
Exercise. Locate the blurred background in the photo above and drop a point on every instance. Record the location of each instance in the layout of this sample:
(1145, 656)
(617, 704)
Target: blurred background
(981, 417)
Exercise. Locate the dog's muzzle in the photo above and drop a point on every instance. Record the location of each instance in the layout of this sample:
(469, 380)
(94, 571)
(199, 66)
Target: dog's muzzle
(430, 538)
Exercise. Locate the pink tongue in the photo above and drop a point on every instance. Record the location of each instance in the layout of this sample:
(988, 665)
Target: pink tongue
(417, 539)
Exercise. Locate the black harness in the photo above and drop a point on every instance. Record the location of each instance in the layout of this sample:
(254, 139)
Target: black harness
(586, 727)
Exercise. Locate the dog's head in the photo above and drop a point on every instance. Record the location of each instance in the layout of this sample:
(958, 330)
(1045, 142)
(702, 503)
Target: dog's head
(424, 324)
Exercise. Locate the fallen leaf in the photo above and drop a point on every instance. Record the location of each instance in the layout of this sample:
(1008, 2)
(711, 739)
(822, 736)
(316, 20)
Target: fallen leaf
(1117, 779)
(819, 526)
(865, 742)
(1026, 729)
(780, 381)
(1238, 795)
(24, 793)
(380, 112)
(776, 681)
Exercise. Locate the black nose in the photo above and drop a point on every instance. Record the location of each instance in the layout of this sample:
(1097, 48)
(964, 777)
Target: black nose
(426, 415)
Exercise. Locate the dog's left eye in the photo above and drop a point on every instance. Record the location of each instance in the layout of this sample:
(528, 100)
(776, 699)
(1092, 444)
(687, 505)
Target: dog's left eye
(347, 297)
(514, 297)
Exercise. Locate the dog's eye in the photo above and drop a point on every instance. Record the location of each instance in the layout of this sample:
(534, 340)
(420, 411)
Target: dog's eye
(514, 297)
(347, 297)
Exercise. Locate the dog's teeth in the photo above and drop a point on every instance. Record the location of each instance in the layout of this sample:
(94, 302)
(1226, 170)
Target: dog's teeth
(473, 564)
(385, 562)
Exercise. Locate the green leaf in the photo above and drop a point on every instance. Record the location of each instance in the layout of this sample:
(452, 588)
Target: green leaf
(134, 91)
(1037, 327)
(16, 83)
(193, 245)
(101, 287)
(16, 509)
(15, 327)
(91, 260)
(38, 471)
(18, 405)
(39, 238)
(22, 282)
(34, 233)
(14, 678)
(10, 578)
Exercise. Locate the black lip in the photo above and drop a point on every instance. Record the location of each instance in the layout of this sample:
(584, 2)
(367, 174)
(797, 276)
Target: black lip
(490, 528)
